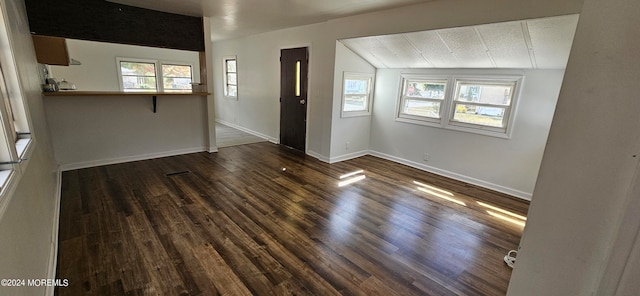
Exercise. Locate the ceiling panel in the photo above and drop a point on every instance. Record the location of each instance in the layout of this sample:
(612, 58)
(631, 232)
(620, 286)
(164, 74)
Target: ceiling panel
(361, 46)
(551, 39)
(506, 44)
(403, 53)
(466, 46)
(528, 44)
(432, 48)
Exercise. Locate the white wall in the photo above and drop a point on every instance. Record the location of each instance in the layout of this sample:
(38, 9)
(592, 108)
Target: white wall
(27, 235)
(590, 163)
(257, 108)
(98, 71)
(89, 131)
(507, 165)
(354, 130)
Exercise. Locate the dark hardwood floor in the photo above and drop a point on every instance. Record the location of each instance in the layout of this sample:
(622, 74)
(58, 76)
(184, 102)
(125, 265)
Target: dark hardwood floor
(236, 223)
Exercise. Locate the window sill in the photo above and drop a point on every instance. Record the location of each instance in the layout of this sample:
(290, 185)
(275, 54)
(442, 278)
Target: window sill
(9, 179)
(435, 122)
(347, 114)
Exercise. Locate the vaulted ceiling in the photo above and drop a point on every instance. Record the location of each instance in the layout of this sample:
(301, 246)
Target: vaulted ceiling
(528, 44)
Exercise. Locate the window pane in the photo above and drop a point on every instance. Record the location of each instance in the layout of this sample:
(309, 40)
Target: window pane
(356, 86)
(425, 89)
(177, 83)
(232, 90)
(486, 94)
(140, 69)
(355, 103)
(139, 83)
(421, 108)
(232, 79)
(176, 71)
(231, 66)
(489, 116)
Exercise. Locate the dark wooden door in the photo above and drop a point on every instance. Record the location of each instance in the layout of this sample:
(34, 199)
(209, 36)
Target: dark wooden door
(294, 63)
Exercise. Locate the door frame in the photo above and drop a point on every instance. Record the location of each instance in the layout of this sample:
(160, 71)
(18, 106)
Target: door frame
(310, 101)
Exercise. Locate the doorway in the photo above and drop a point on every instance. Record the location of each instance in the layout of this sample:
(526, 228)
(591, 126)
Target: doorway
(294, 64)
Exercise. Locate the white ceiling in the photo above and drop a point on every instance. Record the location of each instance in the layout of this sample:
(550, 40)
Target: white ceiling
(529, 44)
(238, 18)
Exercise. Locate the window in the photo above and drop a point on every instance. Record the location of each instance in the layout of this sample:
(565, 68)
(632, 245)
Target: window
(176, 78)
(138, 75)
(482, 104)
(422, 99)
(230, 77)
(479, 104)
(16, 143)
(356, 94)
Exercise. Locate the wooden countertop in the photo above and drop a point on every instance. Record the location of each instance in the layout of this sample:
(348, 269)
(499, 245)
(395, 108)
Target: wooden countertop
(77, 93)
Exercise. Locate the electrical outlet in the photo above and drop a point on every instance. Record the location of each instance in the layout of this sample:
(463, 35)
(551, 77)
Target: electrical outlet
(425, 157)
(346, 146)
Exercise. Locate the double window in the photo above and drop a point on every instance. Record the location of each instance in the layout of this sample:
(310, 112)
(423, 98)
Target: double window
(356, 94)
(138, 75)
(480, 104)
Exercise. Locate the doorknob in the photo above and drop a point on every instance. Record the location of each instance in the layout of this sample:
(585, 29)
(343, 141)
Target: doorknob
(303, 101)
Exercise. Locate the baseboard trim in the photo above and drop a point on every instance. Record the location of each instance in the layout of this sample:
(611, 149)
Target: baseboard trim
(318, 156)
(95, 163)
(510, 191)
(53, 254)
(348, 156)
(248, 131)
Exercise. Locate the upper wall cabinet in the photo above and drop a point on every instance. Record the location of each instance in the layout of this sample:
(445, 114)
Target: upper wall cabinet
(51, 50)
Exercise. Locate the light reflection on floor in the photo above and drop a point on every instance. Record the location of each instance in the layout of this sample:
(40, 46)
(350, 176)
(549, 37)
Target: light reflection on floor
(352, 177)
(437, 192)
(491, 210)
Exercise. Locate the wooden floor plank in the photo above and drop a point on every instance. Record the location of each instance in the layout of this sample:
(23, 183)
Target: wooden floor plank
(258, 220)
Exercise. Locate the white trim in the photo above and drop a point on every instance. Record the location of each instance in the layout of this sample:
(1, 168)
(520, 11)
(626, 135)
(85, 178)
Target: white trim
(95, 163)
(174, 63)
(455, 176)
(369, 77)
(318, 156)
(621, 247)
(447, 110)
(248, 131)
(348, 156)
(224, 77)
(53, 254)
(137, 60)
(7, 191)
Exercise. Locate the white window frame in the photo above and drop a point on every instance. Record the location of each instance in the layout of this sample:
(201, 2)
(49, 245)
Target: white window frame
(357, 76)
(161, 70)
(507, 119)
(16, 140)
(406, 79)
(225, 83)
(449, 104)
(158, 72)
(136, 60)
